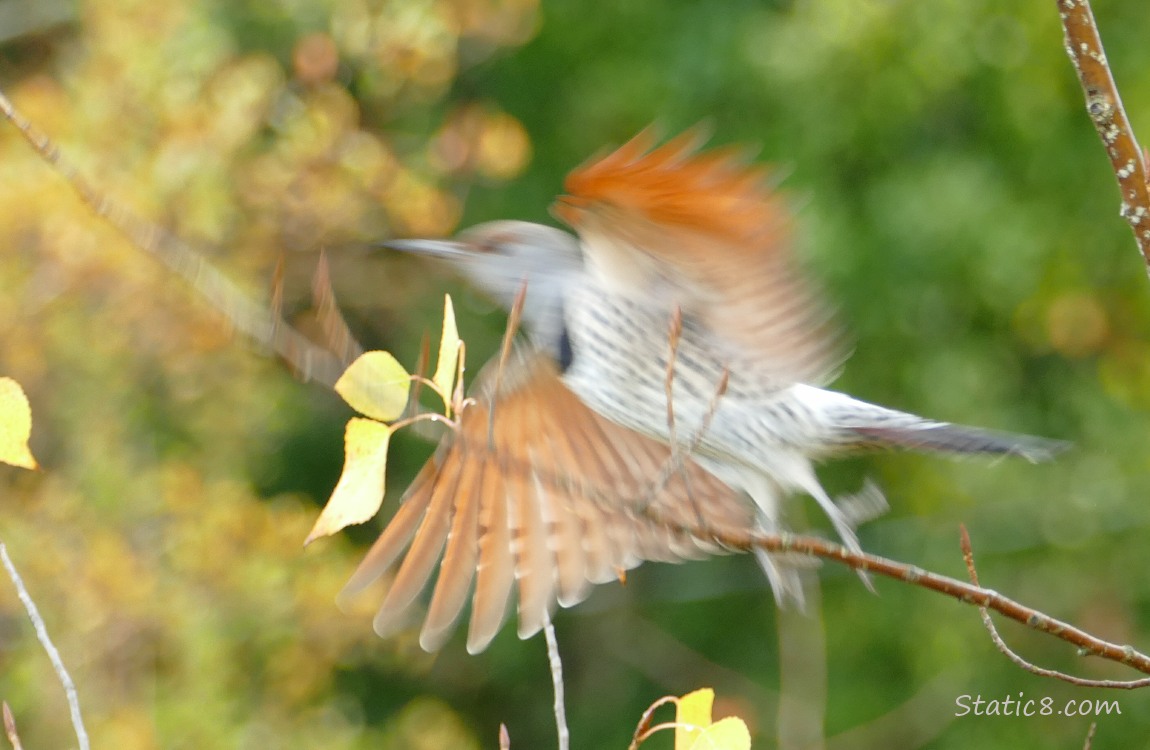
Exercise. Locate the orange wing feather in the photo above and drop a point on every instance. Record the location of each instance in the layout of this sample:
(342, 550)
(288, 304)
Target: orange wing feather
(713, 193)
(705, 231)
(505, 504)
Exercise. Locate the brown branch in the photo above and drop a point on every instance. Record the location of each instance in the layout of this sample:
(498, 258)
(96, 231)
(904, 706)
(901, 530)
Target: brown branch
(1104, 105)
(513, 320)
(10, 728)
(674, 336)
(337, 337)
(644, 729)
(1090, 736)
(968, 593)
(968, 558)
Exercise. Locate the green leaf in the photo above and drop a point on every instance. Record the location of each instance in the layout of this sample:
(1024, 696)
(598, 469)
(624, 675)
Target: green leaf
(359, 493)
(375, 385)
(15, 425)
(446, 366)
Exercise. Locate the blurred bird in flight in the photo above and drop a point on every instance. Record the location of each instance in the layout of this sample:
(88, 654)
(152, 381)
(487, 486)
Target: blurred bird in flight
(671, 390)
(673, 385)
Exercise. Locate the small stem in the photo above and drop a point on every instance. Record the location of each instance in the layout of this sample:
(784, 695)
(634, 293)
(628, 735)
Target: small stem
(557, 682)
(46, 642)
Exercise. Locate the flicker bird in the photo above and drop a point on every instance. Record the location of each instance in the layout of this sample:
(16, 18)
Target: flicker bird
(678, 358)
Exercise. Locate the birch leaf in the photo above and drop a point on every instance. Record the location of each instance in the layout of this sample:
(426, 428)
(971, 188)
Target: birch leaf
(693, 715)
(375, 385)
(446, 366)
(15, 425)
(359, 493)
(730, 733)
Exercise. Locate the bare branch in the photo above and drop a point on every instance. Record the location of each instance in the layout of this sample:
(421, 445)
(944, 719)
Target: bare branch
(1104, 106)
(1090, 736)
(644, 729)
(337, 337)
(1088, 645)
(10, 728)
(513, 320)
(674, 462)
(49, 648)
(968, 558)
(255, 320)
(673, 337)
(556, 665)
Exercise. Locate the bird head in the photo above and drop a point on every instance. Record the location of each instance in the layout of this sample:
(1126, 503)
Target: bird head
(499, 257)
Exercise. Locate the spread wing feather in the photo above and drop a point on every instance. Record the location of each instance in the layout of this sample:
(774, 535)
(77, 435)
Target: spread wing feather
(708, 232)
(535, 489)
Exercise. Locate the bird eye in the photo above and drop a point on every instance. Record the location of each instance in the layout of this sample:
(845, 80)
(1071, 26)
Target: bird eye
(493, 245)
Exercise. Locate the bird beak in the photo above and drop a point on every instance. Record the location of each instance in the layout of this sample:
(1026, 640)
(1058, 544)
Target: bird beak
(446, 249)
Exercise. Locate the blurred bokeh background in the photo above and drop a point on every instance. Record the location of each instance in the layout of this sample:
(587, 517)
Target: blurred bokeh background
(952, 197)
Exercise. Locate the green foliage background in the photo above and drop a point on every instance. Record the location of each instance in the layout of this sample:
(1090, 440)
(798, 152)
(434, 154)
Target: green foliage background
(951, 194)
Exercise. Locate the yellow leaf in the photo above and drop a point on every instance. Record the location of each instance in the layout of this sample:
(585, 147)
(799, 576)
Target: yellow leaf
(693, 715)
(446, 364)
(15, 425)
(375, 385)
(359, 493)
(726, 734)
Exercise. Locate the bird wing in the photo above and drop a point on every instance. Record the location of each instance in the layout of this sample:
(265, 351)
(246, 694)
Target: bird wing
(706, 229)
(535, 488)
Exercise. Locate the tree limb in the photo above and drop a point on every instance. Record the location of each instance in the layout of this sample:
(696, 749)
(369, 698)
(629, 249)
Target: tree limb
(1104, 105)
(968, 593)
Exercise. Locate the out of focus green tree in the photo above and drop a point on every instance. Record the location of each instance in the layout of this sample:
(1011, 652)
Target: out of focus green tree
(951, 195)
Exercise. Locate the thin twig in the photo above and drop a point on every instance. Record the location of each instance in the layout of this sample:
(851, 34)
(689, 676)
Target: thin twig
(49, 648)
(556, 665)
(712, 408)
(1090, 736)
(1104, 105)
(673, 337)
(665, 726)
(674, 461)
(968, 558)
(643, 728)
(10, 728)
(1088, 645)
(509, 332)
(406, 422)
(337, 336)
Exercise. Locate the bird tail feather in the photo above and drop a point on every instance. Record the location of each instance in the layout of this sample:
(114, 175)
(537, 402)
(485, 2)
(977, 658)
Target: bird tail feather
(942, 437)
